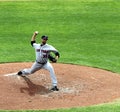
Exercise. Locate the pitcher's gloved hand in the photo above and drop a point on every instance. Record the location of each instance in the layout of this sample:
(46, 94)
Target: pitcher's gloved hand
(52, 59)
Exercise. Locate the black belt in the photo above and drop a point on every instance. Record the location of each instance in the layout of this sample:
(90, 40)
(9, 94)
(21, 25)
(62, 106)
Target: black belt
(40, 62)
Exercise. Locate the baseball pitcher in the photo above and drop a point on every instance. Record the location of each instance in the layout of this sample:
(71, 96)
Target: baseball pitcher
(43, 51)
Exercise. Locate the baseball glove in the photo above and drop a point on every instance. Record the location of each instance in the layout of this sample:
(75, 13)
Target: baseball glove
(52, 58)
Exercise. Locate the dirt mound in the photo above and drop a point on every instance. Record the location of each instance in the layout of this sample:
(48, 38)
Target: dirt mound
(79, 86)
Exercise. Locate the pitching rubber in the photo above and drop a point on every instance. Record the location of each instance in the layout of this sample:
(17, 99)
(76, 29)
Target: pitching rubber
(11, 74)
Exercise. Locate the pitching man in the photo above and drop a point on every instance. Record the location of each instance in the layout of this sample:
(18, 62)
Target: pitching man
(42, 55)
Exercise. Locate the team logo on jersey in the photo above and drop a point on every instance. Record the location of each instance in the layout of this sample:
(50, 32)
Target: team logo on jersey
(44, 51)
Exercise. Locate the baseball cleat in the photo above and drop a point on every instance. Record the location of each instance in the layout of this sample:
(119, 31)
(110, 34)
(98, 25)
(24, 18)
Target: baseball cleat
(20, 74)
(54, 88)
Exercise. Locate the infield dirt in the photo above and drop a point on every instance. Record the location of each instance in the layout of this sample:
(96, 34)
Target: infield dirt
(79, 86)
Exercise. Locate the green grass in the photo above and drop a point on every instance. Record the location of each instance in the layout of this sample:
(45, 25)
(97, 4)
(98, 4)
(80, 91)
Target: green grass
(86, 32)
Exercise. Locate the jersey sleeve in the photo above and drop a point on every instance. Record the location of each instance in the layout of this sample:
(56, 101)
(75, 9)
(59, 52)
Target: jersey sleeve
(55, 51)
(51, 48)
(32, 42)
(35, 45)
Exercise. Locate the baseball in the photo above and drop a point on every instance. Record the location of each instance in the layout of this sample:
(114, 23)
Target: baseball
(36, 32)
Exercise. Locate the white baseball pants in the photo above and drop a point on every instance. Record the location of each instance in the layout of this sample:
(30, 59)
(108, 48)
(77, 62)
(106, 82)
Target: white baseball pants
(36, 66)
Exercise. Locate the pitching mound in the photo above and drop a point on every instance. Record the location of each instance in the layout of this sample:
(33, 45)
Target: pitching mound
(79, 86)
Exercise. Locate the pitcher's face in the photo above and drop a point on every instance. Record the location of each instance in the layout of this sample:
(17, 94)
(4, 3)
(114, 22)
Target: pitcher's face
(44, 41)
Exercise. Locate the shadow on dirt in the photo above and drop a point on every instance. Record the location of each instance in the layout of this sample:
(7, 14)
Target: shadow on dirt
(33, 89)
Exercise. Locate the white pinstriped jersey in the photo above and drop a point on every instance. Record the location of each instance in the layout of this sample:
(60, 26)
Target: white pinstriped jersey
(43, 51)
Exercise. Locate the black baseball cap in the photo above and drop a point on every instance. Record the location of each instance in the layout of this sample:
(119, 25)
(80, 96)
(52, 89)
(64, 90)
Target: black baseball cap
(44, 37)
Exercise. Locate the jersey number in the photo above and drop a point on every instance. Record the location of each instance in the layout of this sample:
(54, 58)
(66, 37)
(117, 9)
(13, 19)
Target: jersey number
(44, 56)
